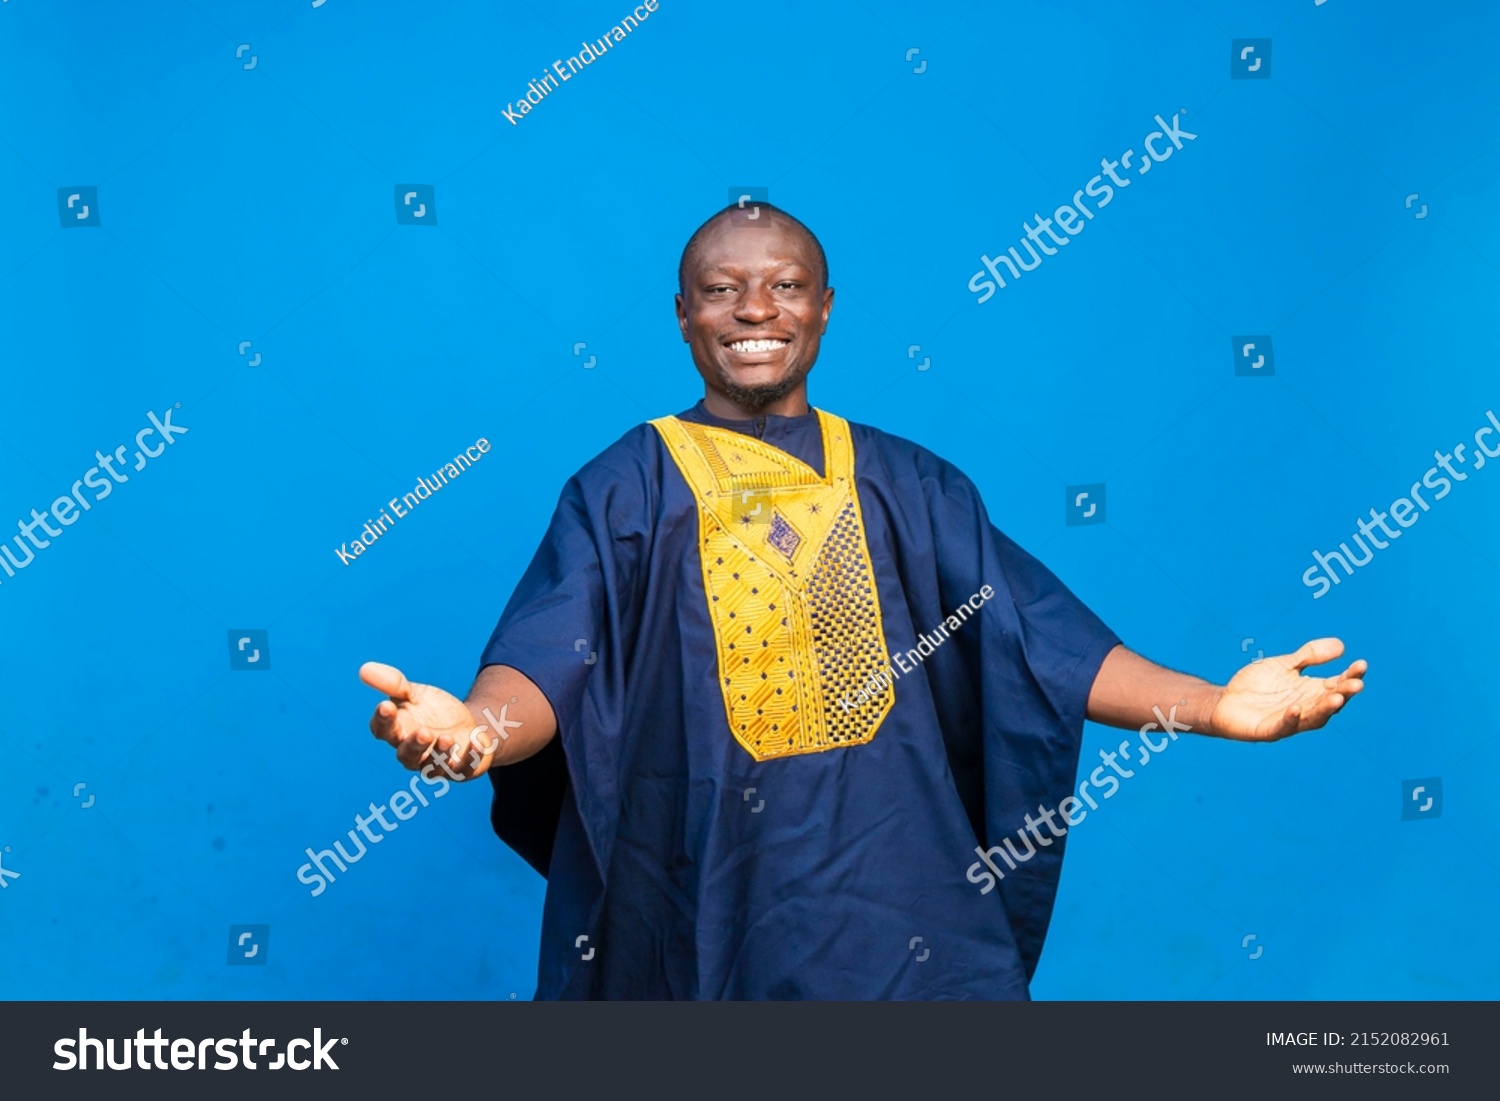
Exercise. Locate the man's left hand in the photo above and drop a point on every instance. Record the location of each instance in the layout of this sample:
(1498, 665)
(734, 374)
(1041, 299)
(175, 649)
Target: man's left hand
(1270, 699)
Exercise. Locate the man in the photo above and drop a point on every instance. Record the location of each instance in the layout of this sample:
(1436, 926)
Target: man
(772, 679)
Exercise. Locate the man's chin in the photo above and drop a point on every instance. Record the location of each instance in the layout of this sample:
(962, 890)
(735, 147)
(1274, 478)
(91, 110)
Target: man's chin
(757, 395)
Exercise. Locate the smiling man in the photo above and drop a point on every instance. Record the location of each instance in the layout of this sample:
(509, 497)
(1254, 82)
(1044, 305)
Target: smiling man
(773, 678)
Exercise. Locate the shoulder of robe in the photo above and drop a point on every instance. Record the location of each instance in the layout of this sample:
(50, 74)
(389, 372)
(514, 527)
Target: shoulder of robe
(879, 453)
(632, 460)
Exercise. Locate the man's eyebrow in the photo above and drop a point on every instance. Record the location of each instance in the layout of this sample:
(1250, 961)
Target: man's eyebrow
(717, 269)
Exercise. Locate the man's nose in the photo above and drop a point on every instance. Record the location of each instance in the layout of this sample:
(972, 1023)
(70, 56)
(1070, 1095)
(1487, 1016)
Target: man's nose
(756, 304)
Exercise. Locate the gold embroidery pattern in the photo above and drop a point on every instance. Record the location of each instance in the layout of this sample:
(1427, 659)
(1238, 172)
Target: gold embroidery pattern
(790, 585)
(848, 639)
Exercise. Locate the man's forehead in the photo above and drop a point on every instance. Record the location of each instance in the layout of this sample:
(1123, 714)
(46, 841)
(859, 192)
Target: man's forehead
(729, 244)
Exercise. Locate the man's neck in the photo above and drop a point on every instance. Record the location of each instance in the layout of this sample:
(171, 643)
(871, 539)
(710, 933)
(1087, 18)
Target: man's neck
(793, 405)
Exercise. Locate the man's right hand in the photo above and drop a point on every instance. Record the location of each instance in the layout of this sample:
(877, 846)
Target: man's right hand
(422, 721)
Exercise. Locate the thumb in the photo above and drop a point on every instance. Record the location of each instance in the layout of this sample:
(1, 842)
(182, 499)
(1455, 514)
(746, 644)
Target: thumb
(387, 679)
(1316, 652)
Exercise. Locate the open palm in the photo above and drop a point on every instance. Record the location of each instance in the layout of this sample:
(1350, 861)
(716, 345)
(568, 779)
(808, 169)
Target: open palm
(1271, 699)
(422, 721)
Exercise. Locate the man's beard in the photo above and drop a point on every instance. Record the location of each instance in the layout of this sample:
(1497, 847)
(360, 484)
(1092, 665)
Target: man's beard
(758, 397)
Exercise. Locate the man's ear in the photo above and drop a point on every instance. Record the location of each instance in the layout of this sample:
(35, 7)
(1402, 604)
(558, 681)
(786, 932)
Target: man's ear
(682, 326)
(827, 308)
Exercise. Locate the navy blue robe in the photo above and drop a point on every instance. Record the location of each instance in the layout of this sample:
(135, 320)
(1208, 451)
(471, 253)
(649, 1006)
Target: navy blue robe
(694, 871)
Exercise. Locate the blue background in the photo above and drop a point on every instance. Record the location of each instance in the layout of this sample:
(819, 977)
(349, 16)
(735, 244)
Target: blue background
(257, 204)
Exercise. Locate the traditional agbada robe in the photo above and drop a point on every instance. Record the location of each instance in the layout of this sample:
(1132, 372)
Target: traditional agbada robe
(778, 743)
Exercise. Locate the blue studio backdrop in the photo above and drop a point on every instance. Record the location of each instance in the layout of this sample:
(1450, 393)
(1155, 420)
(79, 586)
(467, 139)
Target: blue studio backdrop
(276, 261)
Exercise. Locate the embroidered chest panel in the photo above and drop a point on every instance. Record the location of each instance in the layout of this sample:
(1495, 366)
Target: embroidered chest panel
(790, 586)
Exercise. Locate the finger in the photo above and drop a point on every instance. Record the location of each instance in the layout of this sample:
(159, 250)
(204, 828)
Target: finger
(387, 679)
(480, 750)
(1347, 686)
(485, 741)
(443, 764)
(467, 755)
(1356, 671)
(478, 755)
(1326, 709)
(446, 748)
(1286, 725)
(391, 723)
(383, 722)
(414, 747)
(1316, 652)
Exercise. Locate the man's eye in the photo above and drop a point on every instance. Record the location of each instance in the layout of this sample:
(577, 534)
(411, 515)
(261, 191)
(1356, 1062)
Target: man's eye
(789, 283)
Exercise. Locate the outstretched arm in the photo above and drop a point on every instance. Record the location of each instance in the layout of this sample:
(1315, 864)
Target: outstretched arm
(1267, 700)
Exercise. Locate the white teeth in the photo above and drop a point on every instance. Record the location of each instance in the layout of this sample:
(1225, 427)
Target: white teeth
(758, 345)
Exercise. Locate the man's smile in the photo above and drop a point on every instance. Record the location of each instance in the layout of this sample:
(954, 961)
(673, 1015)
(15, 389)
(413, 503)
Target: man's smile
(768, 345)
(758, 348)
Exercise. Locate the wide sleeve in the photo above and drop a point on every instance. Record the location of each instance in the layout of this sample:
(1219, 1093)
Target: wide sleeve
(567, 627)
(1038, 673)
(1014, 705)
(1064, 640)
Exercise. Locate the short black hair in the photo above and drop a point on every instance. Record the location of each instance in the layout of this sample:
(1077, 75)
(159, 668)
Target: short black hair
(689, 250)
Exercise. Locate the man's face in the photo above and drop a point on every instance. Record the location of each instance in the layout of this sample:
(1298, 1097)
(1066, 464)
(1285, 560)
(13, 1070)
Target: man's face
(753, 310)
